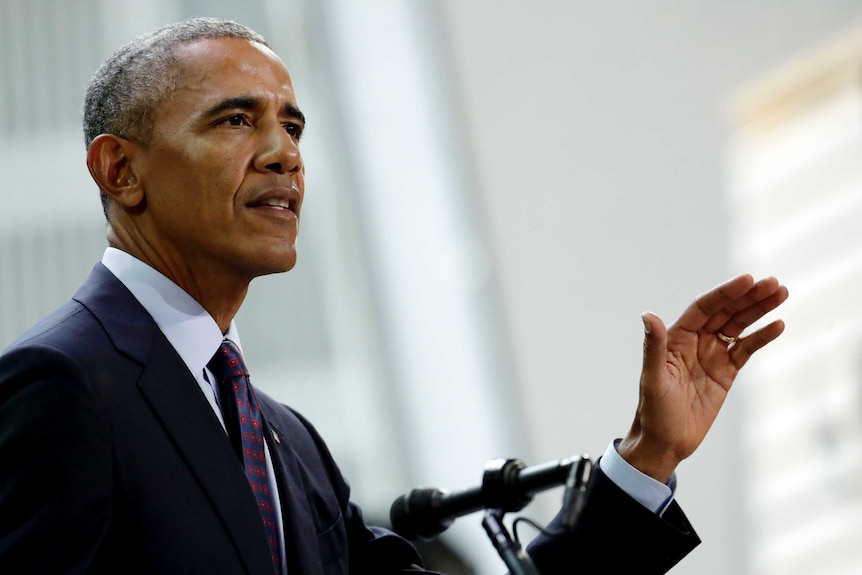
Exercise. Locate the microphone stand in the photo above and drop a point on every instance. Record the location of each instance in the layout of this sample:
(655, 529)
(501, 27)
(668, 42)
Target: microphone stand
(497, 481)
(518, 562)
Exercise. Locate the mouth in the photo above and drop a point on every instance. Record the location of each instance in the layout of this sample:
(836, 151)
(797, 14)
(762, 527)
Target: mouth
(280, 201)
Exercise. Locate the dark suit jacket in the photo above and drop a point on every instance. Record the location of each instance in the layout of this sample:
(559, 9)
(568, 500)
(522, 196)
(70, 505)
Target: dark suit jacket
(112, 461)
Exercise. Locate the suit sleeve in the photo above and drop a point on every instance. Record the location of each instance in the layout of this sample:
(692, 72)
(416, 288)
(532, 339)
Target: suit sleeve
(623, 535)
(55, 464)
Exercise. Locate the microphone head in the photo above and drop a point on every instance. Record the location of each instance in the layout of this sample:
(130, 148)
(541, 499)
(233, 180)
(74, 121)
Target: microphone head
(416, 515)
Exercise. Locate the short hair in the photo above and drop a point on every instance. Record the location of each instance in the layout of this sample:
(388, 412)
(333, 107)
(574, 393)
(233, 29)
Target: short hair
(128, 87)
(134, 80)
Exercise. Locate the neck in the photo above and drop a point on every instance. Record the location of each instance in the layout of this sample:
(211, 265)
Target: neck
(220, 293)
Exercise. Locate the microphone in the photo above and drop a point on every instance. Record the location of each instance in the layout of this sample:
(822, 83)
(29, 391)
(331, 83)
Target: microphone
(507, 485)
(575, 493)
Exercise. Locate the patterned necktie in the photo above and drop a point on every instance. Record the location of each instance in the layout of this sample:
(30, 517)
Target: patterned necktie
(245, 426)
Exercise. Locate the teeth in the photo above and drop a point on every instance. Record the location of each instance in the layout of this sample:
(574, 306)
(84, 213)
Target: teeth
(277, 202)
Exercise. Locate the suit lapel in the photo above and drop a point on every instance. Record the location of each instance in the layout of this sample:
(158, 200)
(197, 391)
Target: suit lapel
(176, 400)
(298, 524)
(188, 418)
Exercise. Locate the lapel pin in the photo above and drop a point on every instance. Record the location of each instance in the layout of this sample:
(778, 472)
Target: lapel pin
(275, 437)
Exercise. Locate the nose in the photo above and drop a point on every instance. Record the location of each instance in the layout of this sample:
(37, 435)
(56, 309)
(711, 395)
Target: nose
(279, 152)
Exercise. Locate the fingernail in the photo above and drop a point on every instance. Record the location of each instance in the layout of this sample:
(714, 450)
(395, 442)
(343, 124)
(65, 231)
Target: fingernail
(647, 328)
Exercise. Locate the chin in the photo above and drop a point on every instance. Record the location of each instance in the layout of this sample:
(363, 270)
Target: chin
(278, 264)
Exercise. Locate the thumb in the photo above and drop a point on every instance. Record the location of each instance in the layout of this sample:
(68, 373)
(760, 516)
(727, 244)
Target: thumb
(655, 347)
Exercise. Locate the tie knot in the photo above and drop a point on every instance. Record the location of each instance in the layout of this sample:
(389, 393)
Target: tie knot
(227, 362)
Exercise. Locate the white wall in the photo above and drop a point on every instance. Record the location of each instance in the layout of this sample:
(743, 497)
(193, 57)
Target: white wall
(598, 135)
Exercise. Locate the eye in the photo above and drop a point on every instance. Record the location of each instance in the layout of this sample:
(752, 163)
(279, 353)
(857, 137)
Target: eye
(236, 120)
(294, 130)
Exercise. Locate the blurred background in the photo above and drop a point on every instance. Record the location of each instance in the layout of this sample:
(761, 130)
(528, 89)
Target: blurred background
(496, 191)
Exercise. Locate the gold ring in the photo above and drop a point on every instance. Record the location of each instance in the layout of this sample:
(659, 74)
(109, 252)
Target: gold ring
(725, 338)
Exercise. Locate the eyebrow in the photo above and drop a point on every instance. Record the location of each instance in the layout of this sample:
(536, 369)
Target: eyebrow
(252, 103)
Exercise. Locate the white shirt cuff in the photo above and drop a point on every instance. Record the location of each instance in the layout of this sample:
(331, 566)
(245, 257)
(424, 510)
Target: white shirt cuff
(652, 494)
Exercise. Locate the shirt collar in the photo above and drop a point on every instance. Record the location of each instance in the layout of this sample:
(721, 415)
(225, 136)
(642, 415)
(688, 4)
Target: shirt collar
(189, 328)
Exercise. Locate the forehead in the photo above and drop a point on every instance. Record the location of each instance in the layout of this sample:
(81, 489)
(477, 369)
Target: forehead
(215, 68)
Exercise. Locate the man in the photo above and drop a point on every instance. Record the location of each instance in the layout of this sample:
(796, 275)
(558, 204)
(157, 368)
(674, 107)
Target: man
(131, 440)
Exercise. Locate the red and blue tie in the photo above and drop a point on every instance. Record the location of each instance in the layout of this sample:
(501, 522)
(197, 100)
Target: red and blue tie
(245, 428)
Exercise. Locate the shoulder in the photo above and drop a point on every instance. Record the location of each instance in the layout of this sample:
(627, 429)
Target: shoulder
(68, 339)
(58, 327)
(101, 322)
(48, 399)
(73, 350)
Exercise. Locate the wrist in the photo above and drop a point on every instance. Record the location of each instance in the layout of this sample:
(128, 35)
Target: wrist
(649, 459)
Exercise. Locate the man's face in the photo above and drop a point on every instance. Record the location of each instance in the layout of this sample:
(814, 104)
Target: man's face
(222, 175)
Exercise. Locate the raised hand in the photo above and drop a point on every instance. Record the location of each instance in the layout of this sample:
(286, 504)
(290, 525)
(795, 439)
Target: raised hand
(689, 368)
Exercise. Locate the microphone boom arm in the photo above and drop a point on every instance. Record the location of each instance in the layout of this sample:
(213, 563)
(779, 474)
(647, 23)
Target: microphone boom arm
(507, 485)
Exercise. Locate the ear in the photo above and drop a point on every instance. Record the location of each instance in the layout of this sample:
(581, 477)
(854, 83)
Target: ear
(109, 160)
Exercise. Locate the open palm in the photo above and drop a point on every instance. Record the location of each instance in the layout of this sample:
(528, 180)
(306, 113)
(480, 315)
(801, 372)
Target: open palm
(689, 368)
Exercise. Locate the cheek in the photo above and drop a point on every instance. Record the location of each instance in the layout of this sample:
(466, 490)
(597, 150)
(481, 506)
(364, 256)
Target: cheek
(206, 186)
(196, 179)
(217, 171)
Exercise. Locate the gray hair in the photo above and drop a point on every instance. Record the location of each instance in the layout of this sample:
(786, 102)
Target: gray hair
(125, 91)
(131, 83)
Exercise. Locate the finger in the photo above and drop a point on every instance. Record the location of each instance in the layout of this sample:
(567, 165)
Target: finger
(734, 325)
(758, 292)
(655, 347)
(743, 349)
(706, 305)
